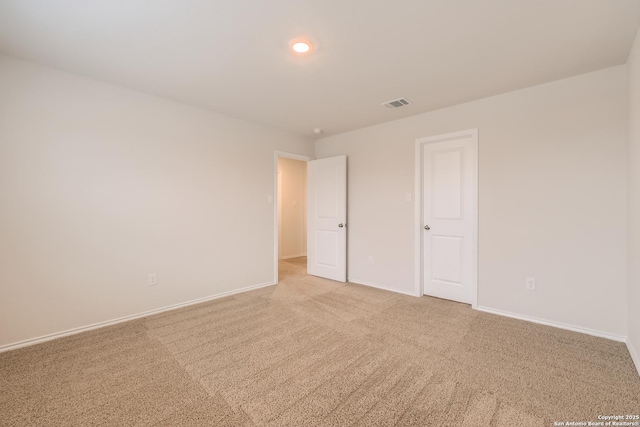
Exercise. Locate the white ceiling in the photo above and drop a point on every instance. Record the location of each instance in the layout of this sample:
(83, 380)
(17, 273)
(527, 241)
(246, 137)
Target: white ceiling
(231, 56)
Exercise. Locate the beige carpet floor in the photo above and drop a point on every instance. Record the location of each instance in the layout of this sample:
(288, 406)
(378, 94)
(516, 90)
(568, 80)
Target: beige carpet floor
(315, 352)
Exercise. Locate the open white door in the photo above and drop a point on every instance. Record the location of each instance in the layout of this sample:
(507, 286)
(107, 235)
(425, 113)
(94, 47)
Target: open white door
(327, 218)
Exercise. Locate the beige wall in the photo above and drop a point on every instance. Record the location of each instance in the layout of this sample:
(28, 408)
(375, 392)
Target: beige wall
(552, 194)
(101, 185)
(293, 213)
(633, 212)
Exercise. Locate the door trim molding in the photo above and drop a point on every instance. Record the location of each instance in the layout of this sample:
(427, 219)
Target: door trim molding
(418, 235)
(276, 155)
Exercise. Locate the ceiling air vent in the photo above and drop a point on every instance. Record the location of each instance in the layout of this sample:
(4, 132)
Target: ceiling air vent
(396, 103)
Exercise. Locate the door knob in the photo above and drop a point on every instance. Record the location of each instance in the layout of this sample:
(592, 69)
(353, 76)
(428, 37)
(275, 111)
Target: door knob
(426, 227)
(341, 225)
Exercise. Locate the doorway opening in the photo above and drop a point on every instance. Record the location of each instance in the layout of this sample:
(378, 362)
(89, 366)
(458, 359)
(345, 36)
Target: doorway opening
(291, 215)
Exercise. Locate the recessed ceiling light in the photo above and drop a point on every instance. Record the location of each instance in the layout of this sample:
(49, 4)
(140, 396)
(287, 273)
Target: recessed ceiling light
(300, 46)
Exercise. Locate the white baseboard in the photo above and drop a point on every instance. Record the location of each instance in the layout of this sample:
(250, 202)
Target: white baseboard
(634, 355)
(573, 328)
(294, 256)
(55, 335)
(375, 285)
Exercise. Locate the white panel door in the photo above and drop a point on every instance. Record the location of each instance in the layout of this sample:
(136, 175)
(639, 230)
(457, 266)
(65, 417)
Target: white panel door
(450, 218)
(327, 218)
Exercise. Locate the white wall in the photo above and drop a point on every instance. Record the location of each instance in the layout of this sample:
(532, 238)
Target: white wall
(293, 215)
(633, 212)
(100, 186)
(552, 190)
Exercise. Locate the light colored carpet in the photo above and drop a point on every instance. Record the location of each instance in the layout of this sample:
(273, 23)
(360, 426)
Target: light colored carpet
(315, 352)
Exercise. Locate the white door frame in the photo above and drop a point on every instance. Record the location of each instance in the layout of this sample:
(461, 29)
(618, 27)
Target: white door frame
(418, 234)
(276, 240)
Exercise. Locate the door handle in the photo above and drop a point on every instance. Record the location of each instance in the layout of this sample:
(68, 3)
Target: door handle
(341, 225)
(426, 227)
